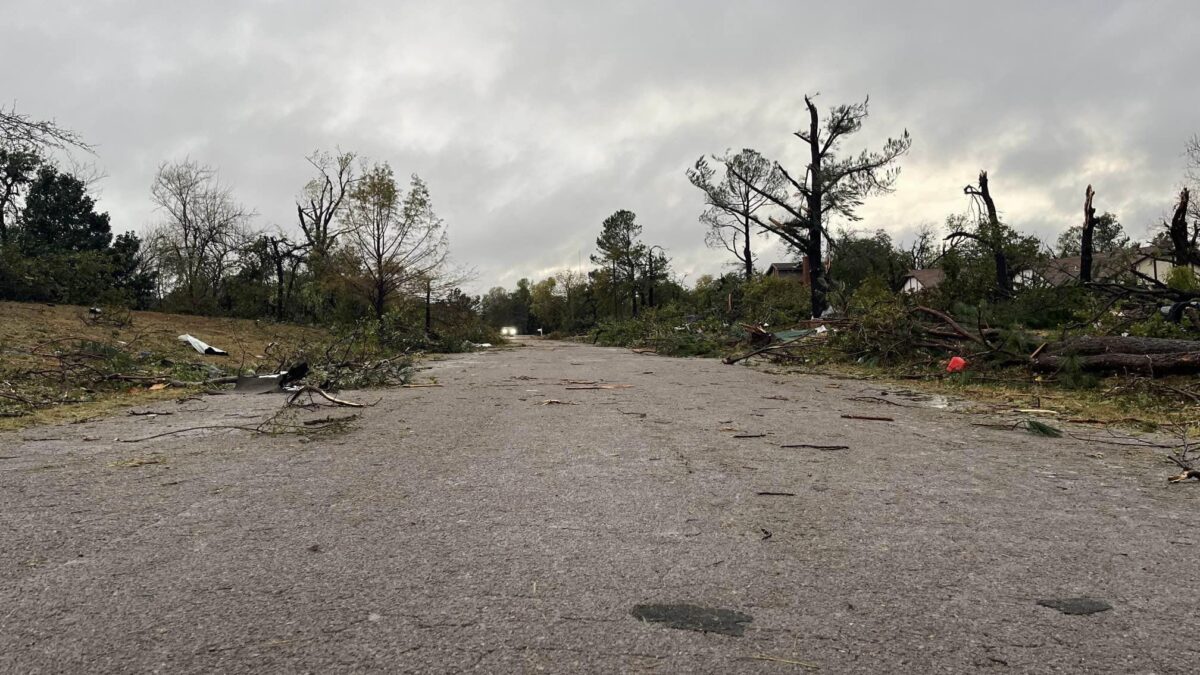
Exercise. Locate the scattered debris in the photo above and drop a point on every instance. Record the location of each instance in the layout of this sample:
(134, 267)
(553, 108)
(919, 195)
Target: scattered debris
(749, 435)
(148, 413)
(766, 534)
(1187, 474)
(956, 364)
(694, 617)
(768, 493)
(1076, 606)
(790, 662)
(201, 346)
(554, 401)
(330, 420)
(604, 386)
(816, 447)
(135, 462)
(869, 418)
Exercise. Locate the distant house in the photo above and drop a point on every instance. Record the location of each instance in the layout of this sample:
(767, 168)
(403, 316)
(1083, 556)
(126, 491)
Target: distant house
(789, 270)
(1155, 263)
(1146, 262)
(921, 280)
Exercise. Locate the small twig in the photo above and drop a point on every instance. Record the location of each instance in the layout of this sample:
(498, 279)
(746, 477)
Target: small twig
(816, 447)
(868, 418)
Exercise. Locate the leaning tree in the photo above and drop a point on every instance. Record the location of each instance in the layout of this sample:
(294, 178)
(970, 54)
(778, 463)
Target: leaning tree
(832, 184)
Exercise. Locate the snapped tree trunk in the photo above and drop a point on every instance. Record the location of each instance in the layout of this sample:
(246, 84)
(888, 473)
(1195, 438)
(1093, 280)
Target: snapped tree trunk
(749, 260)
(1085, 240)
(1179, 231)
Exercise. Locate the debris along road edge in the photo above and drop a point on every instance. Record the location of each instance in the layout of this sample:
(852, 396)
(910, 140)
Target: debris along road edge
(466, 526)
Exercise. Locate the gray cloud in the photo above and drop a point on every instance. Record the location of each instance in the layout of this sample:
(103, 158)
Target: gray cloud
(532, 121)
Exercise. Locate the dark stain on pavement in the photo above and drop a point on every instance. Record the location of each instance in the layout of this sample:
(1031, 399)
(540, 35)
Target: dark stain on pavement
(1077, 606)
(695, 617)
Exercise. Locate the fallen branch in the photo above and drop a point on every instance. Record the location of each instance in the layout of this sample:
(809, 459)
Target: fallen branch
(309, 389)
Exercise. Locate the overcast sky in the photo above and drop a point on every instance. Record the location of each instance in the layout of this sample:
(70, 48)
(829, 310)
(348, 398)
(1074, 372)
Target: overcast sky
(532, 121)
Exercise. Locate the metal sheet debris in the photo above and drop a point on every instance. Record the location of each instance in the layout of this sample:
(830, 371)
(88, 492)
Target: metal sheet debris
(202, 346)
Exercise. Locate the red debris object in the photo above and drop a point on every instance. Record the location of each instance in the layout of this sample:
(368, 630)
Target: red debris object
(956, 365)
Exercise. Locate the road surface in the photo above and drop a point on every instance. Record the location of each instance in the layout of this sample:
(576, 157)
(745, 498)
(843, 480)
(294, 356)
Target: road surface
(509, 521)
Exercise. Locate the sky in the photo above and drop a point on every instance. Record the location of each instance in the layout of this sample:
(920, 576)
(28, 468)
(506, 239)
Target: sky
(533, 121)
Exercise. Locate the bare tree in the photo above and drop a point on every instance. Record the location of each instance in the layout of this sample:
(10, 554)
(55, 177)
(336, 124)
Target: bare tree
(991, 234)
(734, 199)
(398, 239)
(284, 257)
(204, 228)
(831, 185)
(18, 130)
(1192, 153)
(321, 200)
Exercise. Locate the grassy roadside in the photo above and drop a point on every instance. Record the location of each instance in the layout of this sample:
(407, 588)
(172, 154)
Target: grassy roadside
(1133, 403)
(54, 357)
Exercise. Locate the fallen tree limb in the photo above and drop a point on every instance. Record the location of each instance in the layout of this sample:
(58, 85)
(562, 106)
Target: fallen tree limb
(1143, 364)
(1117, 344)
(309, 389)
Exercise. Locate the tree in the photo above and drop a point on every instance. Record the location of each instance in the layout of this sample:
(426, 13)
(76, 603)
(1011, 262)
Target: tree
(1192, 152)
(734, 199)
(831, 185)
(656, 270)
(204, 227)
(131, 271)
(856, 259)
(1183, 241)
(321, 200)
(18, 130)
(620, 251)
(283, 257)
(60, 216)
(990, 233)
(923, 252)
(397, 237)
(17, 171)
(1107, 236)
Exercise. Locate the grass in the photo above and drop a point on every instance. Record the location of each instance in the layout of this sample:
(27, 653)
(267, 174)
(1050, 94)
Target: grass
(1133, 403)
(148, 344)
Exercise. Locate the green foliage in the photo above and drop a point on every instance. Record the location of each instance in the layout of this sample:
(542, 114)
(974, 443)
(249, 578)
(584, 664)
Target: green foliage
(667, 332)
(1157, 326)
(59, 216)
(882, 332)
(1106, 237)
(1182, 278)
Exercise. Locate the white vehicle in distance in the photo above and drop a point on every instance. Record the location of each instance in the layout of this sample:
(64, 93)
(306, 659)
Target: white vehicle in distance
(508, 331)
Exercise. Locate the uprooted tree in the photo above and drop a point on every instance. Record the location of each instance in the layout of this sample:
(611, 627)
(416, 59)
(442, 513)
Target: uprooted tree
(831, 185)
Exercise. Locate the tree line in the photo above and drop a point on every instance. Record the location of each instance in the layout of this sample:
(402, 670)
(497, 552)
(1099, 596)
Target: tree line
(365, 242)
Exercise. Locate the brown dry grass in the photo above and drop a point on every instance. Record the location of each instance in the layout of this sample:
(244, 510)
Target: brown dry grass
(24, 327)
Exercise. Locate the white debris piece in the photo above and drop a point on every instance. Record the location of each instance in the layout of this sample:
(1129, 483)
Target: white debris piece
(202, 346)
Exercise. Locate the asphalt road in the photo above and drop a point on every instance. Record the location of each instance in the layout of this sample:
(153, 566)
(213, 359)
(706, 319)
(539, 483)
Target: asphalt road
(473, 526)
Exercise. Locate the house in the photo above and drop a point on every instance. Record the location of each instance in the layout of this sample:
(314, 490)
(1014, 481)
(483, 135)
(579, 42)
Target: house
(1155, 263)
(1146, 262)
(921, 280)
(789, 270)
